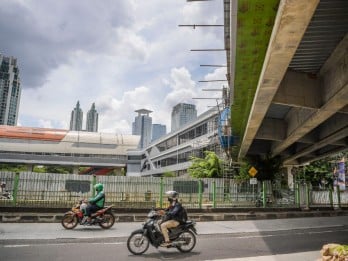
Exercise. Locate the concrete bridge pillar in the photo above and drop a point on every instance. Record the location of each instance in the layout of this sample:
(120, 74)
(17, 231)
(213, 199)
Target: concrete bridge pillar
(290, 178)
(30, 167)
(76, 170)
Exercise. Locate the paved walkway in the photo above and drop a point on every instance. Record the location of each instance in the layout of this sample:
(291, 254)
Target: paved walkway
(41, 217)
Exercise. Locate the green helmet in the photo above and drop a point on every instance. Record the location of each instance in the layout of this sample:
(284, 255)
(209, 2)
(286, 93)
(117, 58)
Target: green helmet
(99, 187)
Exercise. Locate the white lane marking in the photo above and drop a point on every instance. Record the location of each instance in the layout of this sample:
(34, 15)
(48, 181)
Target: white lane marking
(63, 244)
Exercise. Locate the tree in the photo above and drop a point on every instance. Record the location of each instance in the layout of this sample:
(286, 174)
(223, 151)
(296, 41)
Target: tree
(209, 167)
(317, 172)
(243, 173)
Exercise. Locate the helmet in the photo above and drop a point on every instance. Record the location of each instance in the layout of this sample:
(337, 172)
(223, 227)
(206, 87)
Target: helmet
(172, 194)
(99, 187)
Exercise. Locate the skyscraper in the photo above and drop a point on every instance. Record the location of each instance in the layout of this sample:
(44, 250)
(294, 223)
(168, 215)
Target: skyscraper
(10, 90)
(183, 113)
(158, 130)
(142, 126)
(76, 118)
(92, 120)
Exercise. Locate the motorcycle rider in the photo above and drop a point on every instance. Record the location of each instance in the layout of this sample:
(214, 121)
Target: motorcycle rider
(95, 203)
(172, 217)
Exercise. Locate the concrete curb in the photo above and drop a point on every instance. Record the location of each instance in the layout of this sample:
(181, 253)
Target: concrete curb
(24, 217)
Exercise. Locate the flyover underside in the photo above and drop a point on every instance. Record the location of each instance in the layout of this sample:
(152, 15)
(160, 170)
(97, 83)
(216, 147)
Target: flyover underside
(300, 109)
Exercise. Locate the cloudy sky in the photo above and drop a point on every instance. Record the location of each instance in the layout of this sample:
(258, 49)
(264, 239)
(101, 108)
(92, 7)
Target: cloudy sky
(123, 55)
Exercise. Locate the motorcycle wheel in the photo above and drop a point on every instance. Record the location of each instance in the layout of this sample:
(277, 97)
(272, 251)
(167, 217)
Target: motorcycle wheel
(69, 221)
(108, 221)
(190, 240)
(137, 243)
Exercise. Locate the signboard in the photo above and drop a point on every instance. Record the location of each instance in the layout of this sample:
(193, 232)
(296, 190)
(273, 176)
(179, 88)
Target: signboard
(253, 181)
(187, 186)
(252, 171)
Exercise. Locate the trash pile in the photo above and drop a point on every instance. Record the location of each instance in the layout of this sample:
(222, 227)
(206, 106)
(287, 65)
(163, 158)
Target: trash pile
(334, 252)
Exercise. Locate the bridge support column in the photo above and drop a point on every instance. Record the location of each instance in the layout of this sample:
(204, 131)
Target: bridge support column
(76, 170)
(290, 178)
(30, 167)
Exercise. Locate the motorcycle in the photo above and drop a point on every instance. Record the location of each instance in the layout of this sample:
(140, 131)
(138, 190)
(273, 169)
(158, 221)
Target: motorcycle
(6, 195)
(183, 237)
(103, 217)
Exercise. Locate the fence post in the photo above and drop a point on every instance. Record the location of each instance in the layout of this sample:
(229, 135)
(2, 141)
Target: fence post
(200, 193)
(15, 188)
(214, 194)
(161, 192)
(264, 193)
(307, 196)
(338, 196)
(298, 201)
(94, 181)
(330, 196)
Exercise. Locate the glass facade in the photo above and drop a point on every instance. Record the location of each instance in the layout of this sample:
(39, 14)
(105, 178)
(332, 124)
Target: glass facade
(10, 90)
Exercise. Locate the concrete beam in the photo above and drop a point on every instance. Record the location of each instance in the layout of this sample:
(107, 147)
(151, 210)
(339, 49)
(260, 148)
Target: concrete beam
(334, 90)
(272, 129)
(299, 90)
(330, 139)
(291, 22)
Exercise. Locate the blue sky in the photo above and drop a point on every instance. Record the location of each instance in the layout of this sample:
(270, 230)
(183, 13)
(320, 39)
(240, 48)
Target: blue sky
(123, 55)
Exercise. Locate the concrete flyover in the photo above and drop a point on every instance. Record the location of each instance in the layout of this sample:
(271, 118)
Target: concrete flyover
(297, 105)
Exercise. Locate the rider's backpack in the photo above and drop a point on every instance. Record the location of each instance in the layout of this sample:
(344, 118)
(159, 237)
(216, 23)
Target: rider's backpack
(183, 215)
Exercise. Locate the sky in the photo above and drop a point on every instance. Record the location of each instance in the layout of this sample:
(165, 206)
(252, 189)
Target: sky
(122, 55)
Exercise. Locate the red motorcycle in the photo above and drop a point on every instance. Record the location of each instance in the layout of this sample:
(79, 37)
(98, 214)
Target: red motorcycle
(103, 217)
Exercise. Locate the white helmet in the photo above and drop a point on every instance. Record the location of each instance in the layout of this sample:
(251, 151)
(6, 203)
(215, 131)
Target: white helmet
(172, 194)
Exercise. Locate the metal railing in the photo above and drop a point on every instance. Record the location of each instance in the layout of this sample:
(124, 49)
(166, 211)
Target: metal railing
(49, 190)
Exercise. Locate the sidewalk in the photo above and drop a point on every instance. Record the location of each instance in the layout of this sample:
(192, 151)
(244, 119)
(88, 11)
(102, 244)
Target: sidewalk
(203, 215)
(301, 256)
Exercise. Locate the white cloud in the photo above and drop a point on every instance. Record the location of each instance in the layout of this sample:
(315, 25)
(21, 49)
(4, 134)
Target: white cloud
(123, 55)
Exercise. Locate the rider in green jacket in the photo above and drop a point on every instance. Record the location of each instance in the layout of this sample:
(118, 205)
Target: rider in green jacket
(96, 202)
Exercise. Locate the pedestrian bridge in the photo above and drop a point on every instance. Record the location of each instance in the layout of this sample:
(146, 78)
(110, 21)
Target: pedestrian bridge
(32, 146)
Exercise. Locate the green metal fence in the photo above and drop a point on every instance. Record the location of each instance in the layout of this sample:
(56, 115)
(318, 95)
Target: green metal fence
(63, 190)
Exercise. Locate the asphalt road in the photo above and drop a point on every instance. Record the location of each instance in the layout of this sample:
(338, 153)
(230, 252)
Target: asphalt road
(281, 239)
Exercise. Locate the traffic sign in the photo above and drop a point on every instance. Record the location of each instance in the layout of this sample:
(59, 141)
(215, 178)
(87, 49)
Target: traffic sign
(252, 171)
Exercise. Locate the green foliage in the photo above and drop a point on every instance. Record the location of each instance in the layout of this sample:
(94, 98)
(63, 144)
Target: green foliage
(59, 169)
(243, 174)
(13, 167)
(209, 167)
(318, 171)
(169, 174)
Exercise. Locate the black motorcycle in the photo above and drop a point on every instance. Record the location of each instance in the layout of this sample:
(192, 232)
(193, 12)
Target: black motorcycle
(183, 237)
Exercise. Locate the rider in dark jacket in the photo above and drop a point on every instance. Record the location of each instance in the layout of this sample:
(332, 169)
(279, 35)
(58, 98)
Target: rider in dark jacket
(172, 217)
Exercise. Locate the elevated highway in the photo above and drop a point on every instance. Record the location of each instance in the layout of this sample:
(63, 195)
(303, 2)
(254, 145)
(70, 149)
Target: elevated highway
(288, 76)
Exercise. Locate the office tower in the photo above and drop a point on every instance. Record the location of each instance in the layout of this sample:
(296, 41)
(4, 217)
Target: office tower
(158, 130)
(10, 90)
(142, 126)
(92, 120)
(183, 113)
(76, 118)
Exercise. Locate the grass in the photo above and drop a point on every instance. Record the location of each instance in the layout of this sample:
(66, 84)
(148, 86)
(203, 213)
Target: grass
(254, 27)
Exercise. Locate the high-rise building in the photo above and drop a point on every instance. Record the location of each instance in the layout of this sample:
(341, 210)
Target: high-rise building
(10, 90)
(142, 126)
(92, 120)
(76, 118)
(183, 113)
(158, 130)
